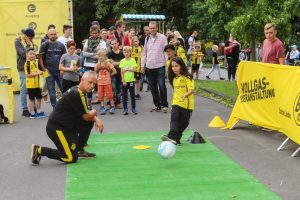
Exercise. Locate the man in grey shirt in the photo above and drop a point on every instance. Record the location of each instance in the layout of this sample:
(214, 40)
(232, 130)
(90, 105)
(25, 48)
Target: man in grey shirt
(70, 65)
(50, 54)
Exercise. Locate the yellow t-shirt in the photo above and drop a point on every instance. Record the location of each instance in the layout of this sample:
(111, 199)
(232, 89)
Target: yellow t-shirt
(136, 53)
(181, 54)
(196, 57)
(181, 85)
(29, 68)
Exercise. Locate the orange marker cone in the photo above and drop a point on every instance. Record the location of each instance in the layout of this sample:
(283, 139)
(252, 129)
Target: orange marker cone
(216, 122)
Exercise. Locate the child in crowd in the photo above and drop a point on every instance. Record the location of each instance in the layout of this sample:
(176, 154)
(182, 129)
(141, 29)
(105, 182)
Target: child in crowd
(128, 67)
(33, 84)
(196, 57)
(183, 99)
(180, 51)
(170, 51)
(136, 53)
(70, 66)
(215, 63)
(116, 55)
(105, 70)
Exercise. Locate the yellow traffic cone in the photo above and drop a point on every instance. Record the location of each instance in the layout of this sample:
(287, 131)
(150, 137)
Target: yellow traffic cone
(216, 122)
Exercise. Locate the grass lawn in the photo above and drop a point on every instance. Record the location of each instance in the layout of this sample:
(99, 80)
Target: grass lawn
(196, 172)
(224, 87)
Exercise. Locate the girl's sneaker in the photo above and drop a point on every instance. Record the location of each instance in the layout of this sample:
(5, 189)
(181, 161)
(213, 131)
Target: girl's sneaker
(134, 111)
(112, 110)
(102, 110)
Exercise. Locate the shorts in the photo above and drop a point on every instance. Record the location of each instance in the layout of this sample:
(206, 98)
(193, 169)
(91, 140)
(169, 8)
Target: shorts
(34, 93)
(105, 90)
(195, 67)
(137, 75)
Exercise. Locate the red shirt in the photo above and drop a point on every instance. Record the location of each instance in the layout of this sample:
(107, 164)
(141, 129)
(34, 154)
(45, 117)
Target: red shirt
(272, 51)
(123, 40)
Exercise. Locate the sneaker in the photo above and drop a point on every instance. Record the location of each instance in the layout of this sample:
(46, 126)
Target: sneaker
(222, 79)
(35, 156)
(155, 109)
(134, 111)
(85, 154)
(26, 113)
(34, 116)
(42, 115)
(167, 138)
(207, 77)
(102, 110)
(165, 109)
(138, 97)
(125, 111)
(112, 110)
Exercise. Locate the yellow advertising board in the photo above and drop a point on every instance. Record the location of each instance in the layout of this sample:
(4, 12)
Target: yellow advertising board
(269, 96)
(21, 14)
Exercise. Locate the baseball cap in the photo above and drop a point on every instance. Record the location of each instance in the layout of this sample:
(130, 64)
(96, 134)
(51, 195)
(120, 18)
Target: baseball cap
(29, 32)
(169, 46)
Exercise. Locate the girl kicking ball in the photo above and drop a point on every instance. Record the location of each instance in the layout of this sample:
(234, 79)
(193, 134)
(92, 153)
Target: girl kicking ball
(183, 99)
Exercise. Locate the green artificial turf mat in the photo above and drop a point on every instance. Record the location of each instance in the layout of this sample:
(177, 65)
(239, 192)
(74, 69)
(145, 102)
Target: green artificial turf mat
(120, 172)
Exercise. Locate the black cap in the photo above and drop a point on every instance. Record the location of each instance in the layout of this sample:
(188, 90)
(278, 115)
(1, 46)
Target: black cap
(169, 46)
(29, 32)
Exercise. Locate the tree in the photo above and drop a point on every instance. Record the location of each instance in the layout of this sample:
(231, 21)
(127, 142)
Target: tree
(83, 14)
(248, 26)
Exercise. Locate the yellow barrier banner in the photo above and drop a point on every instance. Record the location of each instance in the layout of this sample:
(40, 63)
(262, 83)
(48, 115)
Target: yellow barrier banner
(19, 14)
(6, 93)
(269, 96)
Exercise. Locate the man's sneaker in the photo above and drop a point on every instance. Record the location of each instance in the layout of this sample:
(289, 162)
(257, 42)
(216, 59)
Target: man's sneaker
(35, 156)
(155, 109)
(134, 111)
(102, 110)
(165, 109)
(26, 113)
(167, 138)
(42, 115)
(34, 116)
(85, 154)
(125, 111)
(112, 110)
(207, 77)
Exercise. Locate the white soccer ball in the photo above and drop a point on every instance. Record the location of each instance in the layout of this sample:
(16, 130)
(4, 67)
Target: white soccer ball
(167, 150)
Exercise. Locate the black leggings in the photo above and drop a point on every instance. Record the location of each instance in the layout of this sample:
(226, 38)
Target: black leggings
(67, 142)
(232, 65)
(180, 118)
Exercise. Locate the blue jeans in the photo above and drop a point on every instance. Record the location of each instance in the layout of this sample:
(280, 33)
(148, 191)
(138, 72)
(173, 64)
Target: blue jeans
(116, 86)
(23, 90)
(50, 81)
(156, 80)
(129, 87)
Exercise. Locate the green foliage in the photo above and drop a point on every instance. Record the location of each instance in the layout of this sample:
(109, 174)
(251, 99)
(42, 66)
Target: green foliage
(214, 19)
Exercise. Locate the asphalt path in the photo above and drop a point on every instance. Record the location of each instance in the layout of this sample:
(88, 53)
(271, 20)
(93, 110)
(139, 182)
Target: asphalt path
(252, 148)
